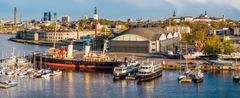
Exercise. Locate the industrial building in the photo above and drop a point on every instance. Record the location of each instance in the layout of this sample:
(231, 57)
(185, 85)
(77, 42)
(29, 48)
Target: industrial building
(144, 40)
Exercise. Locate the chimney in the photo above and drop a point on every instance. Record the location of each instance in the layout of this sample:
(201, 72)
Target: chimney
(70, 50)
(87, 49)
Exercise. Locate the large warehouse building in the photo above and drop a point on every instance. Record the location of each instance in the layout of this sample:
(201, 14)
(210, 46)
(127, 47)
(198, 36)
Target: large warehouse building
(144, 40)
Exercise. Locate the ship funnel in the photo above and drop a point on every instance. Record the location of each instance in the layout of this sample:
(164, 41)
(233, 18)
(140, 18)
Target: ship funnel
(87, 49)
(70, 50)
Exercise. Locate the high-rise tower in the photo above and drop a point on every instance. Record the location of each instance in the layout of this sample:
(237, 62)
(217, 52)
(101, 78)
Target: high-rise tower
(15, 16)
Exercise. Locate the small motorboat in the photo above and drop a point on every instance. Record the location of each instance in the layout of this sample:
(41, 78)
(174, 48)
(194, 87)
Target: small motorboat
(45, 75)
(57, 72)
(12, 84)
(4, 86)
(236, 78)
(185, 80)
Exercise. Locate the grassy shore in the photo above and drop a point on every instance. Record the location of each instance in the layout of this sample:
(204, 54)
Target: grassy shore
(32, 42)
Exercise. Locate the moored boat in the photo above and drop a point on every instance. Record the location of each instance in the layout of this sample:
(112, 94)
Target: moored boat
(198, 76)
(236, 78)
(193, 56)
(219, 62)
(149, 70)
(90, 60)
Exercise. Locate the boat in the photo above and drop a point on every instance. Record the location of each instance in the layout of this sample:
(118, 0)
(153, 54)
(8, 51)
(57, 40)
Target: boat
(193, 56)
(171, 55)
(57, 72)
(185, 79)
(90, 60)
(11, 83)
(198, 76)
(219, 62)
(4, 86)
(149, 70)
(232, 56)
(45, 75)
(236, 78)
(125, 69)
(10, 73)
(22, 61)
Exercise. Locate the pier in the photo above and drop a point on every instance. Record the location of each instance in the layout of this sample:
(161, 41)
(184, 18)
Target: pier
(202, 67)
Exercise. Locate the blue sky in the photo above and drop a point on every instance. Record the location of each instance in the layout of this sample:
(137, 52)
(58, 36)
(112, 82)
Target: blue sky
(120, 9)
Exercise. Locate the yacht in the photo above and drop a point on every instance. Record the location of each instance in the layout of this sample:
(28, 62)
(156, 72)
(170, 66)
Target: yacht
(236, 78)
(149, 70)
(125, 69)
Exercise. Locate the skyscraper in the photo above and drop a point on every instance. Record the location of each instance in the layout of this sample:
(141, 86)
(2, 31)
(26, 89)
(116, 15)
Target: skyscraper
(49, 16)
(15, 16)
(45, 17)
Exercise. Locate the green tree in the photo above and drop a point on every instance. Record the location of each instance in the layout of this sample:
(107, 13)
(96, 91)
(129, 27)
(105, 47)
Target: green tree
(212, 45)
(124, 28)
(228, 47)
(237, 49)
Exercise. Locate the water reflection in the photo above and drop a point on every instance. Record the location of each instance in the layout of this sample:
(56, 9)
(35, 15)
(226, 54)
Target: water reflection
(73, 84)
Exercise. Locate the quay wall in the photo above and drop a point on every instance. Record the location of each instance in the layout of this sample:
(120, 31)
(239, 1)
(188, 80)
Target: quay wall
(202, 67)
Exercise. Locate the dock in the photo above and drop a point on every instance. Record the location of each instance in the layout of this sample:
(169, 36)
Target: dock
(203, 67)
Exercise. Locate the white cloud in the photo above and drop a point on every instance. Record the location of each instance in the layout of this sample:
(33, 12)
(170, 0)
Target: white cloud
(181, 3)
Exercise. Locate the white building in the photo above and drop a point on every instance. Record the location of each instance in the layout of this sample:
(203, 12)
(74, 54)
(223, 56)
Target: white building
(179, 29)
(236, 31)
(65, 19)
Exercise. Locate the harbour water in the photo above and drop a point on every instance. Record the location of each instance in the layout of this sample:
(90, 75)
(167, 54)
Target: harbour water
(100, 84)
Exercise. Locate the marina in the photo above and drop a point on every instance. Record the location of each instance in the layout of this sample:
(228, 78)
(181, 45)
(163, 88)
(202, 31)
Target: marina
(87, 82)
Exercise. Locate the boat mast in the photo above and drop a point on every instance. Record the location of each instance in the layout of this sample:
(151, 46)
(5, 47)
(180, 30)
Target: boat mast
(186, 54)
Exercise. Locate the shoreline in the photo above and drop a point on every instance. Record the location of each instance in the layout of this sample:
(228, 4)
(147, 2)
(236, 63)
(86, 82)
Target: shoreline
(40, 43)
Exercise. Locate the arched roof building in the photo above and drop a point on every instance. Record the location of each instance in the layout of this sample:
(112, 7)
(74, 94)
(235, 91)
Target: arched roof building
(144, 40)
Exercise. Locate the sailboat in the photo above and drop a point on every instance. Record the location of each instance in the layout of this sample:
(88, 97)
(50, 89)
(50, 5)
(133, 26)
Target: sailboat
(198, 76)
(236, 77)
(184, 76)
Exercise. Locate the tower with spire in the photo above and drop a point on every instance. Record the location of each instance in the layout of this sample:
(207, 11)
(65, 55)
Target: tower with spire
(205, 14)
(174, 13)
(95, 14)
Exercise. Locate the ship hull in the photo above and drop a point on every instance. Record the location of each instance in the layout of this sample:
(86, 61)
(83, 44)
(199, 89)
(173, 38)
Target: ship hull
(150, 76)
(236, 79)
(75, 64)
(197, 80)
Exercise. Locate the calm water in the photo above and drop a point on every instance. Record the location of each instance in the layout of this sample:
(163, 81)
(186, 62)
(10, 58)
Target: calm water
(101, 85)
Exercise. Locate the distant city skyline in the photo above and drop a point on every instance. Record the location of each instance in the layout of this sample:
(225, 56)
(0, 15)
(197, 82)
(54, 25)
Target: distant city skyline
(119, 9)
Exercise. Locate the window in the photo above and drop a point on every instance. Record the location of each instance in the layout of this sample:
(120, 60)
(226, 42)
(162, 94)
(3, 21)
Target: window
(153, 50)
(153, 43)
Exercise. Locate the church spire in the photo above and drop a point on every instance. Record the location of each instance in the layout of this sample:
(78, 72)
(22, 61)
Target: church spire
(174, 13)
(95, 10)
(95, 14)
(205, 14)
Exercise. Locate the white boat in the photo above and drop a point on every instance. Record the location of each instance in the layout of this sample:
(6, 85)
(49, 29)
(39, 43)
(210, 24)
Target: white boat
(10, 73)
(45, 75)
(124, 69)
(22, 61)
(11, 83)
(193, 56)
(236, 78)
(219, 62)
(198, 76)
(23, 73)
(149, 70)
(57, 72)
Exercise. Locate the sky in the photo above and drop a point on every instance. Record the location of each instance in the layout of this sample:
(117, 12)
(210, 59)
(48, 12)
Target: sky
(119, 9)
